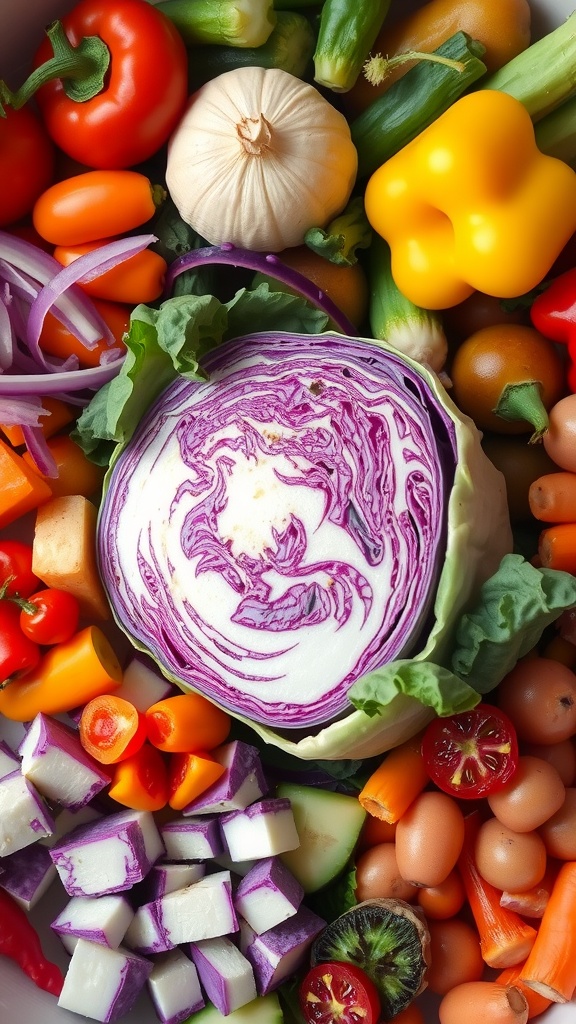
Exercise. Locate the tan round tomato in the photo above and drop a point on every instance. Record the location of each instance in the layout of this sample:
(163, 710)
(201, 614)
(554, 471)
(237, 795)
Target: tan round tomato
(514, 861)
(559, 832)
(539, 697)
(534, 793)
(455, 955)
(378, 877)
(429, 838)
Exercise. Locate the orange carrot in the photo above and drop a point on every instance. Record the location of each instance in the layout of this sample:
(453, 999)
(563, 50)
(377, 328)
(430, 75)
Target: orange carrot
(390, 790)
(141, 781)
(21, 487)
(111, 728)
(68, 676)
(550, 967)
(536, 1003)
(58, 415)
(76, 473)
(186, 723)
(56, 340)
(505, 939)
(552, 497)
(557, 547)
(189, 775)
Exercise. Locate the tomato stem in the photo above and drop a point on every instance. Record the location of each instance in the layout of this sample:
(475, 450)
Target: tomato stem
(523, 401)
(82, 68)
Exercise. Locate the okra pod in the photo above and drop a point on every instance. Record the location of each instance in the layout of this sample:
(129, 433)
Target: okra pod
(346, 33)
(221, 22)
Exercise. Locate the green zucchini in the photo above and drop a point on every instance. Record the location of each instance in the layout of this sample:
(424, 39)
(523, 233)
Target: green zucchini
(348, 29)
(221, 22)
(415, 101)
(289, 47)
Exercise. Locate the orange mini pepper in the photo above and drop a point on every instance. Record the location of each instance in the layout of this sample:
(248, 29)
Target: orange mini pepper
(140, 278)
(189, 775)
(141, 780)
(186, 722)
(472, 203)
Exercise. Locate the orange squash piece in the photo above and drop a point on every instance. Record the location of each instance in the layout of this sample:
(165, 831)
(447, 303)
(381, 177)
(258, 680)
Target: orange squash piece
(21, 488)
(76, 474)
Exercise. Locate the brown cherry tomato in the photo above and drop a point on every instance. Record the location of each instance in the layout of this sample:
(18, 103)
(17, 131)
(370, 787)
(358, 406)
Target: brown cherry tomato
(539, 697)
(562, 755)
(455, 955)
(429, 838)
(559, 832)
(484, 1001)
(378, 877)
(514, 861)
(520, 464)
(534, 793)
(560, 438)
(440, 902)
(504, 355)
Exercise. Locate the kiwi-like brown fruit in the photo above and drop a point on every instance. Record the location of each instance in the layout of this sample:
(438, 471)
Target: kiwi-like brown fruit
(389, 940)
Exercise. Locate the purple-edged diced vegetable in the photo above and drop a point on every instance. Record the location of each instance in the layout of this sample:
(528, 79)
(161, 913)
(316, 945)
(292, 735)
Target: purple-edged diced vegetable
(101, 919)
(203, 910)
(54, 759)
(103, 983)
(166, 877)
(192, 839)
(28, 874)
(225, 973)
(108, 855)
(24, 817)
(9, 760)
(263, 829)
(12, 733)
(67, 820)
(277, 953)
(142, 684)
(242, 782)
(267, 895)
(174, 987)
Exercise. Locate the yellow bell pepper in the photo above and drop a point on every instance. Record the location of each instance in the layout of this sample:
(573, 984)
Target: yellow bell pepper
(472, 204)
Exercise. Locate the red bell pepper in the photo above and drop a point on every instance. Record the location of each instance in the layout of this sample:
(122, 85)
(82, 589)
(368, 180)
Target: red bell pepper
(19, 941)
(553, 313)
(111, 81)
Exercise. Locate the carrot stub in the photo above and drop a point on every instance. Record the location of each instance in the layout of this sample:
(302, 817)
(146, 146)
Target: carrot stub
(550, 968)
(187, 722)
(111, 728)
(505, 939)
(189, 775)
(69, 675)
(141, 780)
(396, 782)
(552, 497)
(557, 547)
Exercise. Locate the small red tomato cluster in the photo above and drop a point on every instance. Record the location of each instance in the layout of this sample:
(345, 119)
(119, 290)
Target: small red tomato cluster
(31, 616)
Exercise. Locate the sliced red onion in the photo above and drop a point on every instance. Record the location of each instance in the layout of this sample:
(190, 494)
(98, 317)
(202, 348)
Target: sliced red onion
(39, 451)
(7, 337)
(270, 264)
(21, 412)
(58, 383)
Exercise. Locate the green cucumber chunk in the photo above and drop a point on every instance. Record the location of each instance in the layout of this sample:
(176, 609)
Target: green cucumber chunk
(328, 825)
(263, 1010)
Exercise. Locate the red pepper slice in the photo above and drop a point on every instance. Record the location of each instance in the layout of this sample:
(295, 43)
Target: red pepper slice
(471, 754)
(19, 941)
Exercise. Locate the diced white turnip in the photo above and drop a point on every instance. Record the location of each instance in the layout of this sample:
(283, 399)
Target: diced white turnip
(101, 919)
(9, 760)
(66, 820)
(280, 951)
(108, 855)
(203, 910)
(103, 983)
(237, 867)
(242, 782)
(142, 684)
(192, 838)
(174, 987)
(263, 829)
(226, 975)
(55, 761)
(167, 876)
(268, 894)
(28, 874)
(24, 817)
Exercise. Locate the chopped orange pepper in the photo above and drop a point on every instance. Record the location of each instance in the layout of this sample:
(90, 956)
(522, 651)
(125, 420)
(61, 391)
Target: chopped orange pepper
(76, 473)
(187, 722)
(141, 780)
(21, 487)
(189, 775)
(111, 728)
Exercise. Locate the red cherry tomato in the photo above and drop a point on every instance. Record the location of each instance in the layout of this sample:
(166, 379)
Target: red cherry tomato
(471, 754)
(16, 576)
(26, 163)
(18, 654)
(50, 616)
(339, 993)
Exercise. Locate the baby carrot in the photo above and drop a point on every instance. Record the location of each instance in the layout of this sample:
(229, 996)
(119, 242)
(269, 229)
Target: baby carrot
(536, 1003)
(552, 497)
(189, 775)
(141, 780)
(390, 790)
(505, 939)
(187, 722)
(68, 676)
(111, 728)
(557, 547)
(550, 968)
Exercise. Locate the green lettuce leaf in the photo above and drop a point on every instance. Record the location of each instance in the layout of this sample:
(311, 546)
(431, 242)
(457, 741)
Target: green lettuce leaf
(434, 686)
(514, 608)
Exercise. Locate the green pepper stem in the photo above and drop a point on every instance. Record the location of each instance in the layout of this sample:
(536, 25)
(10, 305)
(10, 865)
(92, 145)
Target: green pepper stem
(523, 401)
(82, 69)
(377, 68)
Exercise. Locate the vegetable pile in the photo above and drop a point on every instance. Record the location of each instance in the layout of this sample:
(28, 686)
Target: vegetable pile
(288, 512)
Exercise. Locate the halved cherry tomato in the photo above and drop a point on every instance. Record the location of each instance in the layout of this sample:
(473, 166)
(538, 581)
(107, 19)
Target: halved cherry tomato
(50, 616)
(471, 754)
(339, 993)
(111, 728)
(16, 576)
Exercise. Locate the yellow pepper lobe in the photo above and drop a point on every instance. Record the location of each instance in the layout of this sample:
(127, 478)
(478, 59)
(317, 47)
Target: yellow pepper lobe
(472, 204)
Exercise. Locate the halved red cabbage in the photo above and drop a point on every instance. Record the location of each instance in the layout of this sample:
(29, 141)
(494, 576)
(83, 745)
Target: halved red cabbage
(277, 531)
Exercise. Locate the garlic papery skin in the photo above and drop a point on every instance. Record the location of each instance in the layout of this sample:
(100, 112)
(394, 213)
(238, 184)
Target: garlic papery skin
(258, 158)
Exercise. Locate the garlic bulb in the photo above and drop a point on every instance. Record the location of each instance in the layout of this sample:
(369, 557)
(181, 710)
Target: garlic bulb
(258, 158)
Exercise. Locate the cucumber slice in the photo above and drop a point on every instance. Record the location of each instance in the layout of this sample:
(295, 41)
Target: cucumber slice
(328, 825)
(263, 1010)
